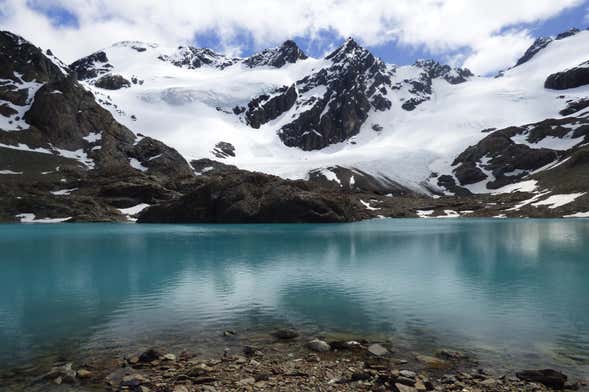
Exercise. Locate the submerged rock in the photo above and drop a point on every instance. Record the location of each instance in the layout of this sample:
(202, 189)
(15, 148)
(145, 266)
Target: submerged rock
(549, 377)
(377, 349)
(61, 374)
(150, 356)
(285, 334)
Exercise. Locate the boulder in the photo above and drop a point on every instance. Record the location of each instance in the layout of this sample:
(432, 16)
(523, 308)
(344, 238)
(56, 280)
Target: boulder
(570, 78)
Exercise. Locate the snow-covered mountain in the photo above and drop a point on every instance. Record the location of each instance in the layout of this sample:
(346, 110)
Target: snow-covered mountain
(518, 141)
(287, 114)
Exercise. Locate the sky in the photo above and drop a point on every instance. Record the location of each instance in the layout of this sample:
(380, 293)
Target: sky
(485, 36)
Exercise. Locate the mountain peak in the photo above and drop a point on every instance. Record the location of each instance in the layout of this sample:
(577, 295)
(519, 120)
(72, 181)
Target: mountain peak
(288, 52)
(349, 49)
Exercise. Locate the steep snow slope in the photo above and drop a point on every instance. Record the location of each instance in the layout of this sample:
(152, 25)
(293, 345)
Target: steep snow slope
(191, 109)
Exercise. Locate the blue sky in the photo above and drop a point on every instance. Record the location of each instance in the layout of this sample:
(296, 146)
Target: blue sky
(477, 33)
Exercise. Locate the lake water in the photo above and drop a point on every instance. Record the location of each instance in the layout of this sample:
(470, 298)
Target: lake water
(514, 292)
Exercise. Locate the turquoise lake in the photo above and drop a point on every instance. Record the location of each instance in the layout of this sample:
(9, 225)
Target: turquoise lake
(509, 291)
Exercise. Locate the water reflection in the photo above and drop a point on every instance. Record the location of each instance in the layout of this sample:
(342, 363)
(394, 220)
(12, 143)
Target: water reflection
(520, 288)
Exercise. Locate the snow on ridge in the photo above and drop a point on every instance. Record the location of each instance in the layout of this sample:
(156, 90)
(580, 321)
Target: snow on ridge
(405, 150)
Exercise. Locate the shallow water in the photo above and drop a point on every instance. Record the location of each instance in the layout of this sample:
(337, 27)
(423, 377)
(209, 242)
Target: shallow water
(513, 292)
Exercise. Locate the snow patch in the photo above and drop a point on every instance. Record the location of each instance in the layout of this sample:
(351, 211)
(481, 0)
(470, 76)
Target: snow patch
(132, 211)
(556, 201)
(368, 206)
(578, 215)
(93, 137)
(63, 192)
(424, 213)
(30, 218)
(135, 164)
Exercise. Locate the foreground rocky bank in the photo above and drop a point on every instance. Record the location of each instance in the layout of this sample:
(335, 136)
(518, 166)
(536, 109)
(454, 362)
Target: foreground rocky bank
(288, 362)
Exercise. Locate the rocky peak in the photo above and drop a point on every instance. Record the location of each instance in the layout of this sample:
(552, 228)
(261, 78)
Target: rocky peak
(436, 70)
(568, 33)
(31, 64)
(330, 105)
(350, 51)
(193, 58)
(536, 47)
(542, 42)
(91, 66)
(288, 52)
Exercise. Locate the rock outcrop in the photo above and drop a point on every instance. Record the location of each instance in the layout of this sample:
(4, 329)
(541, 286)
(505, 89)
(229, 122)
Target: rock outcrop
(508, 155)
(571, 78)
(237, 196)
(112, 82)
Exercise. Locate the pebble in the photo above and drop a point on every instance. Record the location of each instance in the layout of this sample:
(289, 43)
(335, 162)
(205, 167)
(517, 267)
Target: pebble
(318, 346)
(408, 373)
(84, 374)
(169, 357)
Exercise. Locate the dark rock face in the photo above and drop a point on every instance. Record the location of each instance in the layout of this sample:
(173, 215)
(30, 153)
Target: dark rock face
(421, 86)
(92, 66)
(268, 107)
(571, 78)
(550, 378)
(224, 150)
(451, 75)
(568, 33)
(18, 55)
(505, 159)
(334, 102)
(509, 161)
(574, 106)
(160, 159)
(193, 58)
(112, 82)
(64, 119)
(245, 197)
(448, 182)
(536, 47)
(287, 53)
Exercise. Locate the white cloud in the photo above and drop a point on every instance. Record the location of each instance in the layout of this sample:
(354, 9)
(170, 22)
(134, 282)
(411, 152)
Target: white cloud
(441, 26)
(498, 51)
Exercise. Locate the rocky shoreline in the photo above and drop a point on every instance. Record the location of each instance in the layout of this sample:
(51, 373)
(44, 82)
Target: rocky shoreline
(287, 361)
